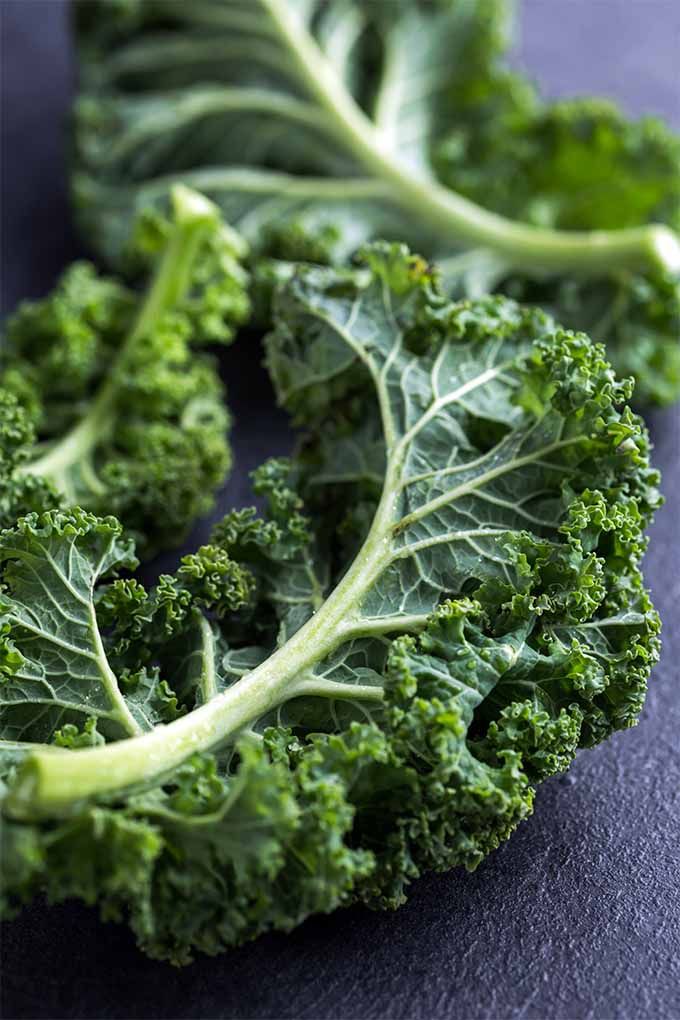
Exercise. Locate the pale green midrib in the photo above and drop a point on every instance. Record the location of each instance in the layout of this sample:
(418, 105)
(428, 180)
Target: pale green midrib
(316, 588)
(144, 57)
(77, 444)
(208, 680)
(376, 626)
(72, 706)
(220, 16)
(523, 245)
(449, 536)
(270, 182)
(345, 33)
(54, 640)
(345, 334)
(449, 497)
(221, 100)
(169, 284)
(452, 397)
(322, 688)
(109, 679)
(388, 96)
(47, 785)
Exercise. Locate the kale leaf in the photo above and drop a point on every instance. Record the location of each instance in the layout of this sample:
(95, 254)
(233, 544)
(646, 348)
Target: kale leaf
(105, 402)
(442, 603)
(318, 126)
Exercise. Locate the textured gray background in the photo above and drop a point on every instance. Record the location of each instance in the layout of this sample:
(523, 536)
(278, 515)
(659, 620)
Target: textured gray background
(579, 914)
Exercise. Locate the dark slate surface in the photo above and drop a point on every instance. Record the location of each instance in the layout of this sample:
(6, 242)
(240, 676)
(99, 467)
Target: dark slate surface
(578, 916)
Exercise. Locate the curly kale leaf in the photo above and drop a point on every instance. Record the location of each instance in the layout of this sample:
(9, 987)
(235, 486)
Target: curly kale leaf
(319, 126)
(84, 654)
(364, 694)
(20, 493)
(54, 667)
(120, 414)
(577, 165)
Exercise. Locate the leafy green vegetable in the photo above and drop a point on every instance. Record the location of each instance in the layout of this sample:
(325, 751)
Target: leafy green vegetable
(318, 126)
(323, 704)
(19, 492)
(129, 419)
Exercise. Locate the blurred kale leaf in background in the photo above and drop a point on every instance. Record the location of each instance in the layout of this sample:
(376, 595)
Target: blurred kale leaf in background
(318, 126)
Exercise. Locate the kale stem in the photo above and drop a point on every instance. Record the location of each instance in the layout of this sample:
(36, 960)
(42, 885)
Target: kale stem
(523, 246)
(193, 217)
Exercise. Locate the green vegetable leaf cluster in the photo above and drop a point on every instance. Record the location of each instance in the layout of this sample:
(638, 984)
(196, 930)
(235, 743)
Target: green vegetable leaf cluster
(440, 605)
(318, 126)
(104, 400)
